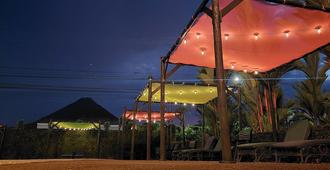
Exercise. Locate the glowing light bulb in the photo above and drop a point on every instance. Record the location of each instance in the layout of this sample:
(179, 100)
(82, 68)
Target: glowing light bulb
(256, 36)
(232, 66)
(226, 36)
(198, 35)
(193, 105)
(139, 120)
(256, 72)
(318, 29)
(245, 70)
(236, 79)
(154, 121)
(184, 41)
(203, 51)
(287, 33)
(195, 91)
(184, 104)
(175, 103)
(173, 114)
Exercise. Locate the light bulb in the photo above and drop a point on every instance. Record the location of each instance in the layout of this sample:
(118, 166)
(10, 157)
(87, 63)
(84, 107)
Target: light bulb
(287, 33)
(184, 41)
(256, 72)
(245, 70)
(193, 105)
(184, 104)
(198, 35)
(226, 36)
(256, 36)
(318, 29)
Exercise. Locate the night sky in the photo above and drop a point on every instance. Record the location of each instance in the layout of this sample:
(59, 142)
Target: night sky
(103, 49)
(84, 44)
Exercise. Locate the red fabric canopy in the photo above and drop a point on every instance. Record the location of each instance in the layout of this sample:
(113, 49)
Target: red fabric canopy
(155, 116)
(257, 36)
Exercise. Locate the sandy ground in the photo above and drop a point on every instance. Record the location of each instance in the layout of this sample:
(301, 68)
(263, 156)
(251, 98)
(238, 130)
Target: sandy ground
(149, 165)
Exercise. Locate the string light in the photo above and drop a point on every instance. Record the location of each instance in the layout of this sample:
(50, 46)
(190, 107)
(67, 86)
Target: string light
(318, 29)
(185, 41)
(175, 103)
(245, 70)
(203, 51)
(256, 72)
(198, 35)
(256, 36)
(287, 33)
(184, 104)
(193, 105)
(226, 36)
(232, 65)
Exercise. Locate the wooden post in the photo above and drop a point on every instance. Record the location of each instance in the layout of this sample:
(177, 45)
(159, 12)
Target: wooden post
(240, 107)
(123, 134)
(221, 86)
(133, 131)
(99, 140)
(203, 127)
(149, 119)
(3, 134)
(162, 150)
(183, 127)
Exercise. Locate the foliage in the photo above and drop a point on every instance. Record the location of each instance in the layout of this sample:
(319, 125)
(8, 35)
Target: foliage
(311, 99)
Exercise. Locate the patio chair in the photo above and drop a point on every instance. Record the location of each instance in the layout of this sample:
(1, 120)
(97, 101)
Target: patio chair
(304, 150)
(299, 131)
(190, 154)
(213, 154)
(177, 154)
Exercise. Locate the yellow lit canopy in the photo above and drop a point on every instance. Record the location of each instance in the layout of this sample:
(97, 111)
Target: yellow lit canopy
(76, 125)
(181, 93)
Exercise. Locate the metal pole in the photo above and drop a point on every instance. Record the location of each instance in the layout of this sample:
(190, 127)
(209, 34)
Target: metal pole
(162, 155)
(133, 131)
(222, 98)
(149, 119)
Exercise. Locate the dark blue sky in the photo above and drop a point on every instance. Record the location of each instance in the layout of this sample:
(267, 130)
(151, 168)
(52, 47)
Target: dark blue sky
(106, 44)
(104, 48)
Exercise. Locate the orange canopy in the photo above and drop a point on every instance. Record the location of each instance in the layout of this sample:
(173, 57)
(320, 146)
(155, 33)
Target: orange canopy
(257, 36)
(155, 116)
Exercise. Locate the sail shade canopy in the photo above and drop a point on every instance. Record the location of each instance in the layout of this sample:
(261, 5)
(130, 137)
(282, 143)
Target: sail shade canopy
(257, 36)
(155, 116)
(181, 93)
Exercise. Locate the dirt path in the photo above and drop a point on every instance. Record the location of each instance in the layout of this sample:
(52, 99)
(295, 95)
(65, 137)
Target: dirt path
(150, 165)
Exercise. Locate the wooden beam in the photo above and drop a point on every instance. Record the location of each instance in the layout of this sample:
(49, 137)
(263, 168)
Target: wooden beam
(149, 119)
(221, 85)
(169, 74)
(162, 148)
(133, 131)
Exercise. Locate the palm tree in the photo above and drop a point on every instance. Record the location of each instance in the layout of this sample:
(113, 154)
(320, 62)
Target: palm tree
(310, 96)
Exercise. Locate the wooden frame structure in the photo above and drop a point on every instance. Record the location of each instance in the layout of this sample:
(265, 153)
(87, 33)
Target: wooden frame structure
(216, 14)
